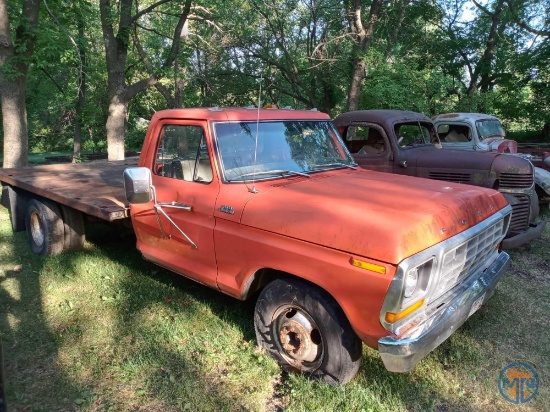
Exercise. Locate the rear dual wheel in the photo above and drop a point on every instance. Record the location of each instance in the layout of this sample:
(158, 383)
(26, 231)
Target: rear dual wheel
(53, 228)
(305, 330)
(45, 229)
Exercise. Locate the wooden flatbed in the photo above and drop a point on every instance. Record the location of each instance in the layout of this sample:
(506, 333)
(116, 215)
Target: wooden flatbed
(94, 188)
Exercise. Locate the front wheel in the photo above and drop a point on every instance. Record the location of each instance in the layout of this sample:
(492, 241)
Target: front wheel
(305, 330)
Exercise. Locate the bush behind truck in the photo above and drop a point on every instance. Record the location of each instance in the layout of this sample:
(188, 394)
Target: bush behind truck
(269, 205)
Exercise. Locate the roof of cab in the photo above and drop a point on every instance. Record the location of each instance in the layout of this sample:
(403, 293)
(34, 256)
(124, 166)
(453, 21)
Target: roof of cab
(239, 114)
(461, 117)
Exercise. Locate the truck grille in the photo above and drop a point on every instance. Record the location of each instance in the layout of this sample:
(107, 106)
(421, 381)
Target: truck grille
(515, 181)
(460, 262)
(520, 214)
(450, 176)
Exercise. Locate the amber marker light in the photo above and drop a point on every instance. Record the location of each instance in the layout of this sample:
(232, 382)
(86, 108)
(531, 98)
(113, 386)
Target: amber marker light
(368, 266)
(394, 317)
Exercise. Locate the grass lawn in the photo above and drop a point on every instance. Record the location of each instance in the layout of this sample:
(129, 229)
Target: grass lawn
(103, 330)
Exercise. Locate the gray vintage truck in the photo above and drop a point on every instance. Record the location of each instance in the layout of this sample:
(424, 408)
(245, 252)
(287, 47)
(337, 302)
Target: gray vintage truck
(485, 133)
(407, 143)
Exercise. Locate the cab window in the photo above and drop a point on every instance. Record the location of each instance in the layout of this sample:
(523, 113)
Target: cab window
(182, 154)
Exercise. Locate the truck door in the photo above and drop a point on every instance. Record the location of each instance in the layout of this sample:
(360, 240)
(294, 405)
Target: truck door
(183, 232)
(369, 146)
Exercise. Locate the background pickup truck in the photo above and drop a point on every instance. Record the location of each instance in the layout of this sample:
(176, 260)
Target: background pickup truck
(269, 205)
(485, 133)
(406, 143)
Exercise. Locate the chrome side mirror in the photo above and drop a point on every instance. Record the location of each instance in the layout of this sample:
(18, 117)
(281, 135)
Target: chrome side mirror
(137, 185)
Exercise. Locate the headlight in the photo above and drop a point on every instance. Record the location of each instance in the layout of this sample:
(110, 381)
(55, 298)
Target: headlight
(411, 280)
(407, 292)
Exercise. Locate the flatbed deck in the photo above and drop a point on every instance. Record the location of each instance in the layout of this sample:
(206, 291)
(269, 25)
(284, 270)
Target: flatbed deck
(94, 188)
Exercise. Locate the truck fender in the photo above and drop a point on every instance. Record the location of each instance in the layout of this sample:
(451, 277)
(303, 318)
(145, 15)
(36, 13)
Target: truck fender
(542, 181)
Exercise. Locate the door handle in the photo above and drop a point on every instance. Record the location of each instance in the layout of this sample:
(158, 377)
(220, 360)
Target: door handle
(176, 205)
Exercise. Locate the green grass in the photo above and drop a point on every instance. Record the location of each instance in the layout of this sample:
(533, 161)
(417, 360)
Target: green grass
(101, 329)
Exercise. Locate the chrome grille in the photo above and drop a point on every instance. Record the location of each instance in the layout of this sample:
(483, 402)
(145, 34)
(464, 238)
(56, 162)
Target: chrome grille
(461, 261)
(520, 214)
(450, 176)
(515, 181)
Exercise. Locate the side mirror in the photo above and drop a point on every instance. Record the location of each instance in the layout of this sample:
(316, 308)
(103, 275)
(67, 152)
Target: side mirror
(137, 185)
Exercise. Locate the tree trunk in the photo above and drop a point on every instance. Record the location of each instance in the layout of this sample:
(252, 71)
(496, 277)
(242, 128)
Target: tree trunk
(14, 122)
(81, 88)
(116, 127)
(483, 69)
(13, 88)
(363, 38)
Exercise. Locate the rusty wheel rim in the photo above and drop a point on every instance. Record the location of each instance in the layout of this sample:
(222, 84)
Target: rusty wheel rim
(298, 338)
(37, 231)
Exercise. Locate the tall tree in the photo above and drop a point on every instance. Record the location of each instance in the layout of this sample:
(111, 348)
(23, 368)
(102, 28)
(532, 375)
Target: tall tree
(362, 33)
(15, 57)
(116, 55)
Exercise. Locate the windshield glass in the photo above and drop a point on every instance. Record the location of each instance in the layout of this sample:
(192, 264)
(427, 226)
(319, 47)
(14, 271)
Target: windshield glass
(282, 148)
(490, 128)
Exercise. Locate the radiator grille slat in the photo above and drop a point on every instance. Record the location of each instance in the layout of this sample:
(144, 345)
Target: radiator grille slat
(520, 214)
(450, 176)
(515, 181)
(465, 259)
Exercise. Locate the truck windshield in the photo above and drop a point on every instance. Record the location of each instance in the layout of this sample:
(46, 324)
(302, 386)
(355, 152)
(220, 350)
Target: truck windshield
(283, 148)
(489, 128)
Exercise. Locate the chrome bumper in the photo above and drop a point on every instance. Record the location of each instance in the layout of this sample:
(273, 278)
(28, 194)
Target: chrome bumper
(401, 355)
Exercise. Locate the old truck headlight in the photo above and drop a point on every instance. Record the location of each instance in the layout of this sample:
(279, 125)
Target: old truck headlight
(407, 292)
(411, 280)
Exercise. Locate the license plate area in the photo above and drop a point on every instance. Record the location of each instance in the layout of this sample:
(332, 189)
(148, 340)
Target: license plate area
(476, 305)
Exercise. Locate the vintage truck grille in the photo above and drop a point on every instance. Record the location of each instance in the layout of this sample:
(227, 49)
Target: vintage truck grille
(520, 214)
(515, 181)
(465, 259)
(450, 176)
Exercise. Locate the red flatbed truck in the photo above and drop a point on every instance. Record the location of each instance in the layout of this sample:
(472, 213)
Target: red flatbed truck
(269, 205)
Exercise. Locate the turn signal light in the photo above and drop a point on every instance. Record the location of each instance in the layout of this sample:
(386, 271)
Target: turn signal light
(368, 266)
(394, 317)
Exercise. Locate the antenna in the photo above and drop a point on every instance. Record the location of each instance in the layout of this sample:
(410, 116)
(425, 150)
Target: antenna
(253, 189)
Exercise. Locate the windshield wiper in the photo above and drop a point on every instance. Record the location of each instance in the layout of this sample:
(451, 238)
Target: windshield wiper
(332, 165)
(281, 172)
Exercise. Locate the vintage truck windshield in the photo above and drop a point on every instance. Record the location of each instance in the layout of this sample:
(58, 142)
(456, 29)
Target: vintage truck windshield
(489, 128)
(282, 149)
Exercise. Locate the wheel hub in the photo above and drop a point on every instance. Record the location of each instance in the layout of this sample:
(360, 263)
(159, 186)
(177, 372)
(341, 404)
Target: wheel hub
(37, 232)
(298, 336)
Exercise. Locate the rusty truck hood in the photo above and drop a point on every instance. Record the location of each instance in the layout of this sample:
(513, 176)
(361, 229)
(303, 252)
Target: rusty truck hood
(432, 158)
(366, 213)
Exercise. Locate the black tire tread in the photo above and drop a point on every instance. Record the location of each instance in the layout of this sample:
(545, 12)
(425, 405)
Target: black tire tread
(338, 367)
(52, 221)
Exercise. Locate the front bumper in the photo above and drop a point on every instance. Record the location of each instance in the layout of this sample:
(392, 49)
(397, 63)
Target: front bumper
(534, 232)
(401, 355)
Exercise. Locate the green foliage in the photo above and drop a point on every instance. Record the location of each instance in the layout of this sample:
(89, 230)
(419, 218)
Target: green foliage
(422, 58)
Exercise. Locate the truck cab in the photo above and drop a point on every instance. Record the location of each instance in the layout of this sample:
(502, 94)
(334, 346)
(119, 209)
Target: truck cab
(404, 142)
(485, 133)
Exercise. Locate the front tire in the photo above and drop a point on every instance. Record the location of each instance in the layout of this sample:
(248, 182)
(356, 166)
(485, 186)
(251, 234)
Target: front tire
(305, 330)
(45, 229)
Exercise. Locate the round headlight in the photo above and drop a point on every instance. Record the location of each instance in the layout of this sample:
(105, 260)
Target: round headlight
(410, 282)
